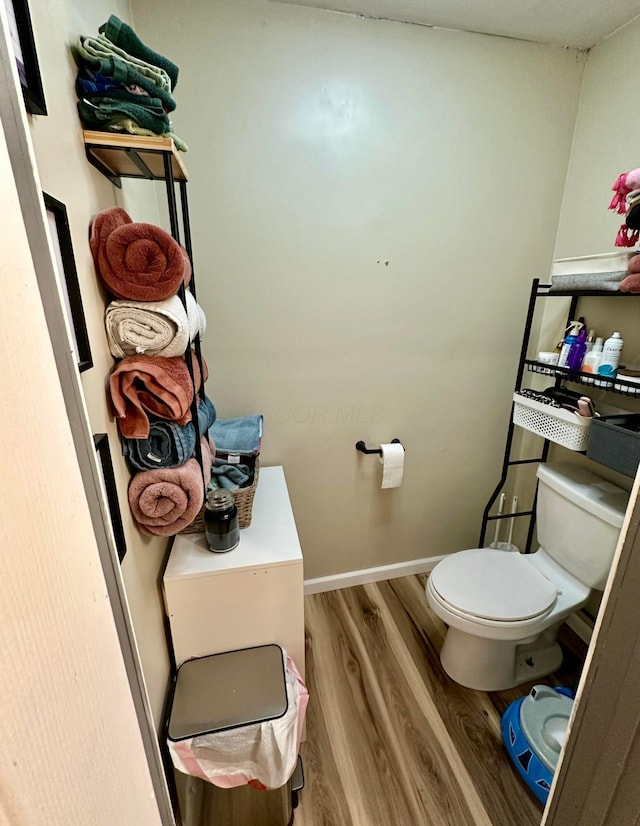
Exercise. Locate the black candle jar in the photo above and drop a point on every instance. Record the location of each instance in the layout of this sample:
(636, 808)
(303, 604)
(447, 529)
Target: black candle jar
(221, 521)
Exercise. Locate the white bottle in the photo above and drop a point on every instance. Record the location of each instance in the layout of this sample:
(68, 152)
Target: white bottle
(611, 355)
(592, 360)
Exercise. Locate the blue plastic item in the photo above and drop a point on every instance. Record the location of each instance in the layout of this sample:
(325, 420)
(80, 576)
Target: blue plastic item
(533, 730)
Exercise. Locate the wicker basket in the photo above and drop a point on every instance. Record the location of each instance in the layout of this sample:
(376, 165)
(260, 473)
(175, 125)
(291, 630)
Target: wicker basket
(243, 497)
(556, 424)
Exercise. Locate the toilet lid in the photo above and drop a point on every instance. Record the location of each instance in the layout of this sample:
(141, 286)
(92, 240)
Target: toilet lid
(492, 584)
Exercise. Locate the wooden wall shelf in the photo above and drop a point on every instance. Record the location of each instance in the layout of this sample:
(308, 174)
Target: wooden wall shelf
(118, 156)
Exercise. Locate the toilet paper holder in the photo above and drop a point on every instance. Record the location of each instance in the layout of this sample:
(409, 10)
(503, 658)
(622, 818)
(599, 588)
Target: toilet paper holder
(360, 445)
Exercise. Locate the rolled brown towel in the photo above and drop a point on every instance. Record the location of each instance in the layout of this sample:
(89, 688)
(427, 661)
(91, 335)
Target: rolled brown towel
(150, 384)
(137, 261)
(165, 500)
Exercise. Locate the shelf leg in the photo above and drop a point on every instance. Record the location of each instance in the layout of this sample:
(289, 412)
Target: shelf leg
(171, 195)
(186, 226)
(175, 232)
(506, 462)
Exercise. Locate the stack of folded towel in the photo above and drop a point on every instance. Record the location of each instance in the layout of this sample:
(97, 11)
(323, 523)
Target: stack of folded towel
(238, 443)
(150, 331)
(123, 85)
(606, 272)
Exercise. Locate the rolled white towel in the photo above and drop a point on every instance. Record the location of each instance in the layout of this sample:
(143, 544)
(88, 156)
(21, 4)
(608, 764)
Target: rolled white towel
(153, 328)
(197, 318)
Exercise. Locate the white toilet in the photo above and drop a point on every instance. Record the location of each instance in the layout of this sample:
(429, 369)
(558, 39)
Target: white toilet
(504, 609)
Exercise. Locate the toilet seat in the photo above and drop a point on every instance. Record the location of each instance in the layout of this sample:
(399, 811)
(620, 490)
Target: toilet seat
(492, 585)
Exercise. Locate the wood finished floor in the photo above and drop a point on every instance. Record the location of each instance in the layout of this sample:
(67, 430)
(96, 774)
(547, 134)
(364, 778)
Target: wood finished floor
(391, 740)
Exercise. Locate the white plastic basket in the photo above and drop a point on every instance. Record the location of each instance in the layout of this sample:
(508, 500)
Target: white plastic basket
(554, 423)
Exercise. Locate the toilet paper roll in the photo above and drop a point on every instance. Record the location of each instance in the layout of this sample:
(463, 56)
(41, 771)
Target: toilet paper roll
(392, 460)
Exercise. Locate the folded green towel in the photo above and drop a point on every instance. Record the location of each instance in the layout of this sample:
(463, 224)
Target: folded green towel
(132, 128)
(110, 64)
(104, 110)
(101, 46)
(122, 35)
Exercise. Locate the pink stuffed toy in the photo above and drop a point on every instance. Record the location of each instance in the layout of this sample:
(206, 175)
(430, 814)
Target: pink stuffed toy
(625, 202)
(631, 283)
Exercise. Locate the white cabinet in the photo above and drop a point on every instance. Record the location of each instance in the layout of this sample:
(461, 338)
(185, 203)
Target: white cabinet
(249, 596)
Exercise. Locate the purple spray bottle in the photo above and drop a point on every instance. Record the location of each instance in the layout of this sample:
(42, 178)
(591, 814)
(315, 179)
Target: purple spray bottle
(577, 350)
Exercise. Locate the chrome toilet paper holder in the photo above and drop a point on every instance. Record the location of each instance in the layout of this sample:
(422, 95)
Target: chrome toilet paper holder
(360, 445)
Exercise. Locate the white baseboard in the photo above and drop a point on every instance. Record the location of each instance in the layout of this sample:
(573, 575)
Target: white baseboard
(361, 577)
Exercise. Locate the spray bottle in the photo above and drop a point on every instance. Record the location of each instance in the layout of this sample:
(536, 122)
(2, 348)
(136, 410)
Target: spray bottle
(577, 350)
(571, 339)
(592, 360)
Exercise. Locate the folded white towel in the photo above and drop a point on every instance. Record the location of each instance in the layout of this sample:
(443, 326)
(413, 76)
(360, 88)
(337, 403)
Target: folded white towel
(155, 328)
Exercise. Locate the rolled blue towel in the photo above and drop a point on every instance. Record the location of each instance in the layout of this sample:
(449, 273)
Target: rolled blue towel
(168, 444)
(206, 415)
(240, 435)
(231, 477)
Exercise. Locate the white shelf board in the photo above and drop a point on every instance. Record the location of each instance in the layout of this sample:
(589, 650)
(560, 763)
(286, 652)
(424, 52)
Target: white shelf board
(271, 539)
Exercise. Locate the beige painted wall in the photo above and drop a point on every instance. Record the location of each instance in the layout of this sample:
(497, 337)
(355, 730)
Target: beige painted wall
(66, 174)
(604, 145)
(71, 747)
(369, 203)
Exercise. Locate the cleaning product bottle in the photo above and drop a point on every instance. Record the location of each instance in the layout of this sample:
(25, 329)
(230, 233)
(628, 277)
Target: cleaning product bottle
(577, 351)
(611, 355)
(570, 339)
(592, 360)
(590, 341)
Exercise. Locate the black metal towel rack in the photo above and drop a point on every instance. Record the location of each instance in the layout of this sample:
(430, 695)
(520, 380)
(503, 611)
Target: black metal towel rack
(155, 159)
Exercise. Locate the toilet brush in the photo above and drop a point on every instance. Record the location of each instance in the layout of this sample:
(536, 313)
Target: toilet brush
(508, 545)
(495, 543)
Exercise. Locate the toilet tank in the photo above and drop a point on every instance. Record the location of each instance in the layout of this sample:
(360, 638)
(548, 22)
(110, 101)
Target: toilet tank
(579, 516)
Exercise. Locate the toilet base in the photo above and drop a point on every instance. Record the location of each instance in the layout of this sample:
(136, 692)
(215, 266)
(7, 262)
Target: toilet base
(495, 665)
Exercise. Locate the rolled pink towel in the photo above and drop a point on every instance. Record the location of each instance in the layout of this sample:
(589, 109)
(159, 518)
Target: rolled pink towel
(631, 283)
(165, 500)
(137, 261)
(634, 264)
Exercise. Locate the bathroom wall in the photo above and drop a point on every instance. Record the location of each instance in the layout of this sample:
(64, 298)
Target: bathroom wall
(71, 748)
(369, 202)
(605, 144)
(66, 174)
